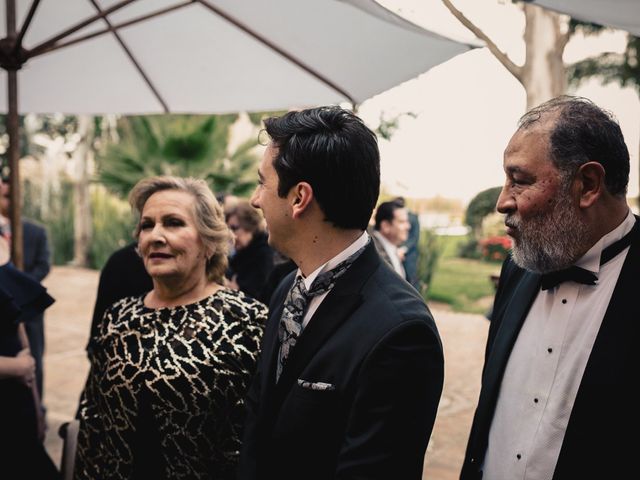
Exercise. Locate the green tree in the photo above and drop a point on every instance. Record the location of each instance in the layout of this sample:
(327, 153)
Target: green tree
(390, 124)
(185, 145)
(257, 117)
(543, 73)
(480, 206)
(483, 204)
(430, 251)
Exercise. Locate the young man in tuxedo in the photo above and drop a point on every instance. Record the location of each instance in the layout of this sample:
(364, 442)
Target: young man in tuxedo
(557, 397)
(351, 370)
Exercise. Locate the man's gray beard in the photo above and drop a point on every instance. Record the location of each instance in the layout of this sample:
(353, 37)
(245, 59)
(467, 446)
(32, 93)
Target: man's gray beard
(551, 241)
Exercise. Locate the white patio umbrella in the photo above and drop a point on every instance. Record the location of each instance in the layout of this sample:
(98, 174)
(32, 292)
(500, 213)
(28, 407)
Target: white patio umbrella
(622, 14)
(201, 56)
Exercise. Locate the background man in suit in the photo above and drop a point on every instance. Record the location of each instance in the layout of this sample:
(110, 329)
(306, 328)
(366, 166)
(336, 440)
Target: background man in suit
(356, 392)
(410, 248)
(123, 275)
(391, 230)
(561, 358)
(36, 258)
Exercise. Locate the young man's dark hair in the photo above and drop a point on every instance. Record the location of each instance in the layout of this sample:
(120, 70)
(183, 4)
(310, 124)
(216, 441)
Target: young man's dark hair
(335, 152)
(386, 211)
(351, 356)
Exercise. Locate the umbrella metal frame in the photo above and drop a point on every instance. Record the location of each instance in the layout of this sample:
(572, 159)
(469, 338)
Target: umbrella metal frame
(13, 56)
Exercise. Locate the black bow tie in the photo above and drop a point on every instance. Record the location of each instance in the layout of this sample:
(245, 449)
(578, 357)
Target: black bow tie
(580, 275)
(575, 274)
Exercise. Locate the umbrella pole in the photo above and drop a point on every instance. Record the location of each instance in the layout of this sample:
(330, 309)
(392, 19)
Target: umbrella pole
(14, 155)
(14, 179)
(13, 152)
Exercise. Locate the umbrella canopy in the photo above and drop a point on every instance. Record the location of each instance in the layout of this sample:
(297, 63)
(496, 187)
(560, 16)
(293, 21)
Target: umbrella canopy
(215, 56)
(622, 14)
(200, 56)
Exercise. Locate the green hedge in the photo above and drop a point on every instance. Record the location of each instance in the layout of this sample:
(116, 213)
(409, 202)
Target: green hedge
(112, 221)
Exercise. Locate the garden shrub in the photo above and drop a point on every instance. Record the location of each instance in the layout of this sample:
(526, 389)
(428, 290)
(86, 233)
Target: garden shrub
(429, 251)
(496, 248)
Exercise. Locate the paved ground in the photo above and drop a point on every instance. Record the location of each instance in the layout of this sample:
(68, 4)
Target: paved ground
(67, 327)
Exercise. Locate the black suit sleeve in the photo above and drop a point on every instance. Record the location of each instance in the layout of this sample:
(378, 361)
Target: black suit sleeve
(39, 246)
(248, 455)
(122, 276)
(247, 468)
(510, 274)
(395, 406)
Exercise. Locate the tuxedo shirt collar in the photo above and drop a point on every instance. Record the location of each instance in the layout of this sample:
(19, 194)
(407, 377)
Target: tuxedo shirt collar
(360, 242)
(591, 260)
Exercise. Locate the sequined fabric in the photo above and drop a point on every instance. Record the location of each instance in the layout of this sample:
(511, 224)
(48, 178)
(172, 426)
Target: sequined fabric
(168, 385)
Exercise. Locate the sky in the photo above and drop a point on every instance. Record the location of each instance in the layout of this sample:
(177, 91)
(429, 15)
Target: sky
(467, 108)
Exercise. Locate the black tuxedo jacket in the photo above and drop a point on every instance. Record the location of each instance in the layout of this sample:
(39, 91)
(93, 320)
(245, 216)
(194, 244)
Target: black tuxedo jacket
(374, 340)
(605, 414)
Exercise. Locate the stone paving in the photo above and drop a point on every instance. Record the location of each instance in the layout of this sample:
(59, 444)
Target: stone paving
(67, 328)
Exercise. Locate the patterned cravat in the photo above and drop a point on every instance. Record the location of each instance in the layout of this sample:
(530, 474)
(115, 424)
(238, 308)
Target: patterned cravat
(295, 306)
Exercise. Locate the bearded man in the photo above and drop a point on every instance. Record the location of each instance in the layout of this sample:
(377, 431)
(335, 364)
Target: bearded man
(556, 399)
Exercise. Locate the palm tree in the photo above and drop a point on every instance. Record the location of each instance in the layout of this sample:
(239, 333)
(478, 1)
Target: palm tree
(184, 145)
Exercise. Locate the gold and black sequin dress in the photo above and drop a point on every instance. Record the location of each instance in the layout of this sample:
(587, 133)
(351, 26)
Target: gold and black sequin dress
(165, 395)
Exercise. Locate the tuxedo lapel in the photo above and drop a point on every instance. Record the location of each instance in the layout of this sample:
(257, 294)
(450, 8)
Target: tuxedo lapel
(335, 309)
(606, 383)
(622, 313)
(623, 310)
(271, 344)
(514, 315)
(618, 322)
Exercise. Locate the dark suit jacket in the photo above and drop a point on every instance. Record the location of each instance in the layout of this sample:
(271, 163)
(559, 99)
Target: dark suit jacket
(605, 413)
(375, 341)
(35, 250)
(122, 276)
(252, 265)
(410, 262)
(36, 265)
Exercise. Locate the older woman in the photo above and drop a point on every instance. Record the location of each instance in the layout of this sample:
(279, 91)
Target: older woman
(170, 369)
(252, 262)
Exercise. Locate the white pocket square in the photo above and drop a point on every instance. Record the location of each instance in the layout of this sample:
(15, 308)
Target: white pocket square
(316, 385)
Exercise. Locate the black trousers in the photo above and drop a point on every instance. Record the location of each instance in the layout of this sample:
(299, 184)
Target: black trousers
(35, 333)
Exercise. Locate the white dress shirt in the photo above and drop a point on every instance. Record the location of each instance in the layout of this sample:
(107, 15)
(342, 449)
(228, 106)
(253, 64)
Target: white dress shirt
(315, 301)
(545, 369)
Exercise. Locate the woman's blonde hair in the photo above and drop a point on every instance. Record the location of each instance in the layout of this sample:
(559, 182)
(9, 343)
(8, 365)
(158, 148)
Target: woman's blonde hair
(207, 213)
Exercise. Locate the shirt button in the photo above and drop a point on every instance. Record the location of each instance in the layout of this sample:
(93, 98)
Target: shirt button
(535, 400)
(518, 456)
(549, 349)
(564, 300)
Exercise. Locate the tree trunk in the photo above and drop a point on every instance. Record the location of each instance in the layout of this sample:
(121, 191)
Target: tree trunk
(544, 74)
(82, 158)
